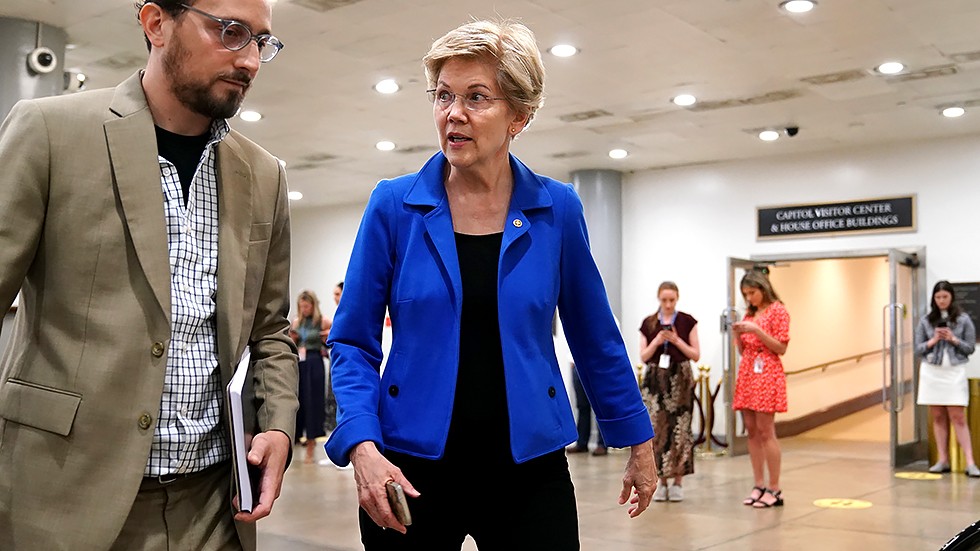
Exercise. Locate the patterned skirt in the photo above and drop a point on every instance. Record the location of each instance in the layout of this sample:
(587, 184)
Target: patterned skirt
(669, 397)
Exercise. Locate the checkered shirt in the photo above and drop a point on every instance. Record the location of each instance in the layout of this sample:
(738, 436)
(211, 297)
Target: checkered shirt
(189, 435)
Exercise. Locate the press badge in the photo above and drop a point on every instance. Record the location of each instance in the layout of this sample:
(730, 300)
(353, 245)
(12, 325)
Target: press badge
(664, 361)
(759, 366)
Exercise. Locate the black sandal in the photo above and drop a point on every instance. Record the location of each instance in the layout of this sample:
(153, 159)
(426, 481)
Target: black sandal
(751, 500)
(759, 504)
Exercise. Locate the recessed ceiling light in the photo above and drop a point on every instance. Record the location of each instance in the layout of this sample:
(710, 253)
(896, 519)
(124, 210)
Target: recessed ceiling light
(953, 112)
(890, 68)
(387, 86)
(684, 100)
(295, 196)
(618, 153)
(385, 146)
(80, 77)
(250, 116)
(798, 6)
(768, 135)
(563, 50)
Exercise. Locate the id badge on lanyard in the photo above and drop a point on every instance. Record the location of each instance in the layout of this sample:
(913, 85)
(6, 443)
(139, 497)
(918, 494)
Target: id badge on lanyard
(759, 365)
(665, 357)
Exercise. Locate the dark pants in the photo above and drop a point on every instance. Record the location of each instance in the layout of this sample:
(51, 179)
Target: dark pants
(508, 507)
(584, 422)
(312, 394)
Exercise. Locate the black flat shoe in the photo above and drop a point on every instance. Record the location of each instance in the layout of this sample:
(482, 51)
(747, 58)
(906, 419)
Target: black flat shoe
(759, 504)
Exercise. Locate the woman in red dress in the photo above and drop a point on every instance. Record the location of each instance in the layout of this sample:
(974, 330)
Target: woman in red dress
(760, 390)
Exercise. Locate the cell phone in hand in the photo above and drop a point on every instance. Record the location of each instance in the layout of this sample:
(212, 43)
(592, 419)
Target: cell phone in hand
(943, 323)
(668, 327)
(398, 503)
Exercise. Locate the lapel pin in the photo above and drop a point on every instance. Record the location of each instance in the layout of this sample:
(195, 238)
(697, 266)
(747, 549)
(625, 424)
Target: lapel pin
(518, 223)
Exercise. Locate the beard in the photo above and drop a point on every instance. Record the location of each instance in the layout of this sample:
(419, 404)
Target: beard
(200, 97)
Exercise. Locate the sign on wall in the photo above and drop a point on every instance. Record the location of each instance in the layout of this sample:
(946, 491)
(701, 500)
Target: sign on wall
(968, 299)
(893, 214)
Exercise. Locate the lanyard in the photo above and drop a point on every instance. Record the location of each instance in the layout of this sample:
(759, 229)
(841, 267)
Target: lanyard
(672, 320)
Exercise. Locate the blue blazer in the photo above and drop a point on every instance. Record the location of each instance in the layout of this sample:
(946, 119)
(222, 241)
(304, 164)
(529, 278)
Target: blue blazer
(404, 260)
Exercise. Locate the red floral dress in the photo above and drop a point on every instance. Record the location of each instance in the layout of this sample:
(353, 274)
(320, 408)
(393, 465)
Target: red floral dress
(764, 391)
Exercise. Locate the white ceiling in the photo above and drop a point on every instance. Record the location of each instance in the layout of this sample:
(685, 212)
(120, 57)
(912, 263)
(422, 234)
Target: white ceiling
(746, 59)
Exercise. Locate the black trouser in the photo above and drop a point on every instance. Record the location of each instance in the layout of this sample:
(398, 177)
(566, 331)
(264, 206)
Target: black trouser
(503, 506)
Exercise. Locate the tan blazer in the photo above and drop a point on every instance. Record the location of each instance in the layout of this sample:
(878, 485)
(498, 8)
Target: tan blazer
(83, 236)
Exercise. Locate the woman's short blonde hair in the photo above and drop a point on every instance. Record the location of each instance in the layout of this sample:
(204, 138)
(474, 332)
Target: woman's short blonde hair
(508, 44)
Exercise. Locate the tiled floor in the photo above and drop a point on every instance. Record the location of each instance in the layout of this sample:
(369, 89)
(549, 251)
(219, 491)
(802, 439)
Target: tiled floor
(317, 510)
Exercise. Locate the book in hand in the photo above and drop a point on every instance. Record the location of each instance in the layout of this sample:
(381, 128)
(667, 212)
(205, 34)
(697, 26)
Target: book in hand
(242, 418)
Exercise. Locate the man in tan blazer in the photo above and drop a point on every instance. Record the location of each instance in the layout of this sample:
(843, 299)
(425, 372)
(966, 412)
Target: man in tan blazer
(141, 283)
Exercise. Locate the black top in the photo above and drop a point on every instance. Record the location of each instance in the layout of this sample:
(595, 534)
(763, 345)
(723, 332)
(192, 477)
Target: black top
(480, 418)
(184, 152)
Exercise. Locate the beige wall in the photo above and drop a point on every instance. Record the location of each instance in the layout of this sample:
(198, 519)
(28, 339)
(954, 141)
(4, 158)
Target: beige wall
(835, 309)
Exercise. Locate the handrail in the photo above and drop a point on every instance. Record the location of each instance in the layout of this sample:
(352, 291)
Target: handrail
(825, 365)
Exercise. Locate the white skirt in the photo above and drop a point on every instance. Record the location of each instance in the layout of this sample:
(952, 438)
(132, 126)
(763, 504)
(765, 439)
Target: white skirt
(943, 385)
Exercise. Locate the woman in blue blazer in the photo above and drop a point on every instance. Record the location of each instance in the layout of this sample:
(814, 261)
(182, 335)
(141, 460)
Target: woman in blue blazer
(471, 256)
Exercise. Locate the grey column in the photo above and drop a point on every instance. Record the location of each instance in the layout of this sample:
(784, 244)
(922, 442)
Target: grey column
(18, 38)
(601, 192)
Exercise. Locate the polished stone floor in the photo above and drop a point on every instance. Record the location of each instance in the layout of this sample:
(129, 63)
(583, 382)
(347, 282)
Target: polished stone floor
(317, 509)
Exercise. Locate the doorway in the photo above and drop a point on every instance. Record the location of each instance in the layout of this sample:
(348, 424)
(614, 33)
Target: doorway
(852, 319)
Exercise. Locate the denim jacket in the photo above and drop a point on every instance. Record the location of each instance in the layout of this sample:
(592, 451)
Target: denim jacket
(965, 333)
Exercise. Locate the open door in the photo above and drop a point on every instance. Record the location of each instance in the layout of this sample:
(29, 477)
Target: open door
(738, 442)
(900, 369)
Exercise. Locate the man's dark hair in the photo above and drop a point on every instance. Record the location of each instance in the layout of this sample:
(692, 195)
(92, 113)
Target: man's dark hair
(172, 7)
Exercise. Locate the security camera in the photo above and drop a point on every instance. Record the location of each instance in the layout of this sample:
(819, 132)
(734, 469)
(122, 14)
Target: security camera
(42, 60)
(792, 131)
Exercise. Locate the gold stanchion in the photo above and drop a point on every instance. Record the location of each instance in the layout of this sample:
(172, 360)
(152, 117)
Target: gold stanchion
(707, 404)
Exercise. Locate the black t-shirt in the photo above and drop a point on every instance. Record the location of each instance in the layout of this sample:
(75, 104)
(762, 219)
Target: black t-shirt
(480, 418)
(184, 152)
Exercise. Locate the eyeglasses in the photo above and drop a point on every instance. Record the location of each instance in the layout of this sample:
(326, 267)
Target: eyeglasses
(473, 101)
(235, 36)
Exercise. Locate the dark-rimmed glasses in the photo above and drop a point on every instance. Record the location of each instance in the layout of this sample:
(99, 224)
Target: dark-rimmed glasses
(236, 35)
(474, 101)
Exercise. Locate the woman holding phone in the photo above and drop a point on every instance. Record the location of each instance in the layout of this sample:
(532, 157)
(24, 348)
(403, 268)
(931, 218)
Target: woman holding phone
(944, 338)
(668, 345)
(760, 390)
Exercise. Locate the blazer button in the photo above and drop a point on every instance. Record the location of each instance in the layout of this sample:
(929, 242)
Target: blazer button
(518, 223)
(157, 349)
(145, 421)
(393, 390)
(551, 392)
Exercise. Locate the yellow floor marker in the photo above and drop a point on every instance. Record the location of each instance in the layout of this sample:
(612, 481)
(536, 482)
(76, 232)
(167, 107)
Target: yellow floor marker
(919, 476)
(839, 503)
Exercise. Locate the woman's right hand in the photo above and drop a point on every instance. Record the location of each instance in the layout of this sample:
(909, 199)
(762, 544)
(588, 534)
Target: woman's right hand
(371, 472)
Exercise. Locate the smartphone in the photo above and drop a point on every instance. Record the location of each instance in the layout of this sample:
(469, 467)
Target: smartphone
(943, 323)
(668, 327)
(398, 503)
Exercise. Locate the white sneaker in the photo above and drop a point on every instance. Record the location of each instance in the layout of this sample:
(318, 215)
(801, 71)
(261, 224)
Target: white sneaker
(661, 493)
(972, 471)
(676, 493)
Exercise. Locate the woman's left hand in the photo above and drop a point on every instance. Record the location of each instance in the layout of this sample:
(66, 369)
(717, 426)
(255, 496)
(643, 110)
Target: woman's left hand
(641, 476)
(746, 327)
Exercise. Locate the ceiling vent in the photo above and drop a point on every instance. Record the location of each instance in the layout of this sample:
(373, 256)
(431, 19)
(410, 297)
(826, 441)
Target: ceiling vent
(835, 78)
(295, 167)
(324, 5)
(569, 154)
(771, 97)
(121, 61)
(585, 115)
(965, 57)
(928, 72)
(315, 158)
(415, 149)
